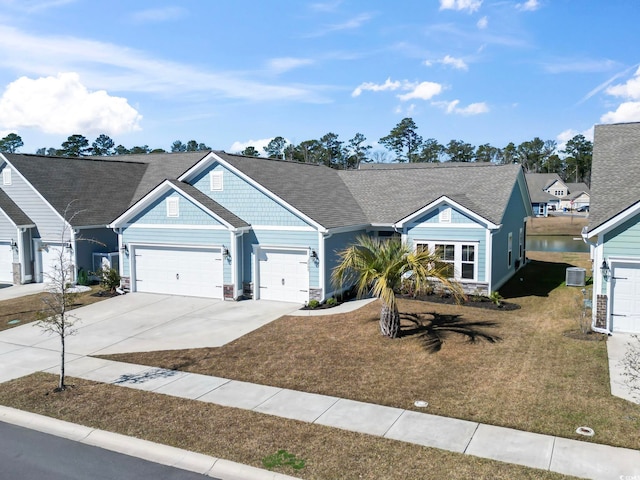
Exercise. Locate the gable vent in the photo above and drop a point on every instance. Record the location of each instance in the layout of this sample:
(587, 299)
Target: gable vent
(576, 277)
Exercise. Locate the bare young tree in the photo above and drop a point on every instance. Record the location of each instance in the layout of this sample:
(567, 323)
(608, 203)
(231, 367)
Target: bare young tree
(61, 292)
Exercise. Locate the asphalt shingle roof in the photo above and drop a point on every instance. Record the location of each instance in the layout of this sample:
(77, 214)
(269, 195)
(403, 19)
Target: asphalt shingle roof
(14, 212)
(615, 171)
(389, 195)
(537, 182)
(100, 189)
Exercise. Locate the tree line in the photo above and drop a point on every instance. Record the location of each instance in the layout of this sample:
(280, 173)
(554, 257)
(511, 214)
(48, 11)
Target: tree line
(403, 144)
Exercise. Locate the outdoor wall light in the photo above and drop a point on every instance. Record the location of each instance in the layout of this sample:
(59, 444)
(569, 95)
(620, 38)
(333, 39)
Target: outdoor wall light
(314, 255)
(13, 243)
(605, 270)
(68, 246)
(225, 253)
(124, 248)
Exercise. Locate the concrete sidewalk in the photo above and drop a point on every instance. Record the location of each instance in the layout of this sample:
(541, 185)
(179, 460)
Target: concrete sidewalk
(556, 454)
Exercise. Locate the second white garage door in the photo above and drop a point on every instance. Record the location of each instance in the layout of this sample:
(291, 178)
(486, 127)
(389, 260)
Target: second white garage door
(625, 298)
(284, 275)
(191, 272)
(6, 263)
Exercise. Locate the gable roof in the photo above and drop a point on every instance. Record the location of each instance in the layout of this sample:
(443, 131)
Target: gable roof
(315, 190)
(100, 189)
(615, 171)
(576, 190)
(390, 195)
(14, 212)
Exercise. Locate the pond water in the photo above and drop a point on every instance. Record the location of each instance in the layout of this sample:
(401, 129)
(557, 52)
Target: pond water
(556, 243)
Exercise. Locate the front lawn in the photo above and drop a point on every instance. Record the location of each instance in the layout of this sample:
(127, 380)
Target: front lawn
(536, 378)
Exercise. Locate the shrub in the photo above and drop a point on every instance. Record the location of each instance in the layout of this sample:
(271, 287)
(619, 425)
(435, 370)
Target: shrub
(314, 303)
(109, 279)
(496, 298)
(331, 301)
(83, 278)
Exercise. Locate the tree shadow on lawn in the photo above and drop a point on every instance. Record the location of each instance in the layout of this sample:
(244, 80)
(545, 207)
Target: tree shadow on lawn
(432, 329)
(536, 278)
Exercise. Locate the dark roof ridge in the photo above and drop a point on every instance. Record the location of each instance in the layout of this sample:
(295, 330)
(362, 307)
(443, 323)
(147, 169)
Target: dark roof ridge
(93, 158)
(295, 162)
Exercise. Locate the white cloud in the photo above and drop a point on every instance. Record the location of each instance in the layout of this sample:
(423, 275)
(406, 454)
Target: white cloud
(63, 105)
(351, 24)
(626, 112)
(456, 63)
(284, 64)
(238, 146)
(469, 110)
(483, 23)
(106, 66)
(563, 137)
(529, 5)
(373, 87)
(470, 5)
(405, 110)
(158, 14)
(629, 110)
(422, 91)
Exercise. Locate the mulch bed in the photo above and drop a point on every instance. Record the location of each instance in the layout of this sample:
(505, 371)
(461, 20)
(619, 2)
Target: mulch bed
(483, 302)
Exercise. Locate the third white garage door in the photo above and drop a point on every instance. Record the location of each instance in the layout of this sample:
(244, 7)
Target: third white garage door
(284, 275)
(625, 298)
(193, 272)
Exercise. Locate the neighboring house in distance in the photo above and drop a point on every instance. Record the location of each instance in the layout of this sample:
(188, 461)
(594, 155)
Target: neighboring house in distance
(614, 228)
(549, 193)
(233, 226)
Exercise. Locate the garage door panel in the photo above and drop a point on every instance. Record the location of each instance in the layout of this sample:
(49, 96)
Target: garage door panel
(284, 275)
(179, 271)
(625, 294)
(6, 263)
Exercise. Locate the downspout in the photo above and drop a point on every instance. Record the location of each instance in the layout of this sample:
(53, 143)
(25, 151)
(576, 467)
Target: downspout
(74, 255)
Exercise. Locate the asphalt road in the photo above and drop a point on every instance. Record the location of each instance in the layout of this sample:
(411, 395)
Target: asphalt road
(30, 455)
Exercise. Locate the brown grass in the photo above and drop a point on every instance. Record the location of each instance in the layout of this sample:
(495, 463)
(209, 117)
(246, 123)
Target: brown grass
(26, 308)
(247, 437)
(560, 225)
(535, 379)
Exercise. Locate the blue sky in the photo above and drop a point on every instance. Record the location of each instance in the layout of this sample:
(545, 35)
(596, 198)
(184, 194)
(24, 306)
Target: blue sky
(238, 73)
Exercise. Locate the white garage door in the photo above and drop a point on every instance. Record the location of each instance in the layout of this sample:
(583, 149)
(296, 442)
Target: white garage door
(192, 272)
(284, 275)
(6, 263)
(49, 267)
(625, 298)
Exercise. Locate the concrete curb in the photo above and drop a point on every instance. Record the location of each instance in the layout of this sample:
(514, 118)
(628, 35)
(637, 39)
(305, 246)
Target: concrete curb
(135, 447)
(346, 307)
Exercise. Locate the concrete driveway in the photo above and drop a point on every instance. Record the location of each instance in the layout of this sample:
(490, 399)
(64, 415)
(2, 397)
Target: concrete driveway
(137, 322)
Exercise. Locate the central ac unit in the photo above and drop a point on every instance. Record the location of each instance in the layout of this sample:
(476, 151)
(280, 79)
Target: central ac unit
(576, 277)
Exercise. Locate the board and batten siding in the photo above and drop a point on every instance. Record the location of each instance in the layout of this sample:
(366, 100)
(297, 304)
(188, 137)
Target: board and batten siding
(245, 200)
(280, 238)
(50, 224)
(332, 246)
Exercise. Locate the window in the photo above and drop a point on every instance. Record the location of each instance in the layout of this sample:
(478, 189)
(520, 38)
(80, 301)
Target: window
(510, 249)
(6, 176)
(173, 206)
(216, 181)
(460, 257)
(520, 244)
(444, 215)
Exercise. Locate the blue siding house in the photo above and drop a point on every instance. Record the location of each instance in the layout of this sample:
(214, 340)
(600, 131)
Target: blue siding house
(614, 228)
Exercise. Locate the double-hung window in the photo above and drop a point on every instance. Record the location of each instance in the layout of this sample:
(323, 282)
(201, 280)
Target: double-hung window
(461, 257)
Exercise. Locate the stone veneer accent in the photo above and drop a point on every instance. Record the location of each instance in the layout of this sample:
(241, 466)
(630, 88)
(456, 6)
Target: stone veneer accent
(125, 283)
(16, 274)
(228, 292)
(315, 294)
(601, 311)
(247, 290)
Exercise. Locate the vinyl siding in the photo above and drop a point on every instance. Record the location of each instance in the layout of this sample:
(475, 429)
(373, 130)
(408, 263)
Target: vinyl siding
(50, 225)
(280, 238)
(188, 213)
(433, 216)
(99, 240)
(624, 240)
(333, 245)
(8, 230)
(246, 201)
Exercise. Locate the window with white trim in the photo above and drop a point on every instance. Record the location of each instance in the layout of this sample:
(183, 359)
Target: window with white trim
(6, 176)
(444, 215)
(520, 243)
(462, 257)
(215, 179)
(510, 249)
(173, 206)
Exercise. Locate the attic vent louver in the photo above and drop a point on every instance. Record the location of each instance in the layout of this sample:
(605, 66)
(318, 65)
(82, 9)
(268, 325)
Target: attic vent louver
(576, 277)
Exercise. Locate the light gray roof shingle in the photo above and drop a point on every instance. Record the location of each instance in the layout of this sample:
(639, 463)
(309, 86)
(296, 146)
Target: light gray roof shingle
(14, 212)
(389, 195)
(615, 171)
(537, 183)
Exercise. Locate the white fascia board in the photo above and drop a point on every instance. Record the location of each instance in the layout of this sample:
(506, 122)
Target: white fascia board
(351, 228)
(442, 200)
(212, 157)
(38, 194)
(615, 221)
(154, 195)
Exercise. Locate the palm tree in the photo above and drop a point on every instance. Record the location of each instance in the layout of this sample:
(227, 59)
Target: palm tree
(377, 267)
